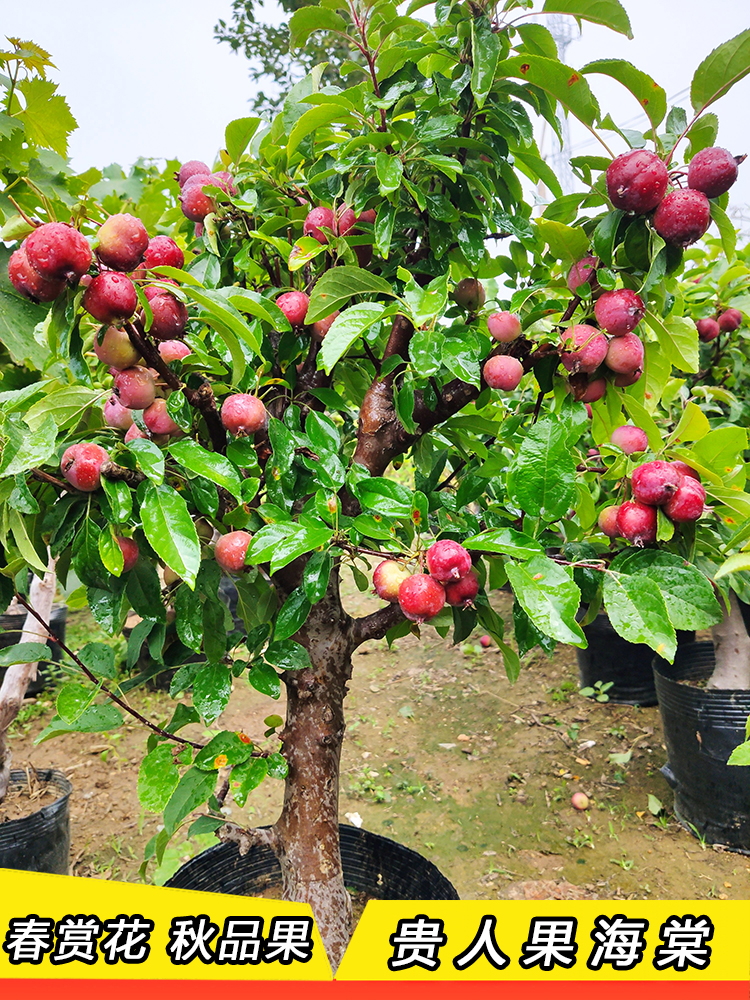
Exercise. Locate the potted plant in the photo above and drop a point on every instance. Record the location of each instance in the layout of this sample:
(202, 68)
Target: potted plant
(320, 308)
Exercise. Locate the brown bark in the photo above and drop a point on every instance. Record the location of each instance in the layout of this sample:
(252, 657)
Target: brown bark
(731, 650)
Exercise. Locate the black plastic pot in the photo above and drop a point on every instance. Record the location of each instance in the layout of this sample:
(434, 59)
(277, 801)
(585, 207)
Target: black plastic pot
(10, 634)
(39, 842)
(374, 865)
(701, 728)
(627, 665)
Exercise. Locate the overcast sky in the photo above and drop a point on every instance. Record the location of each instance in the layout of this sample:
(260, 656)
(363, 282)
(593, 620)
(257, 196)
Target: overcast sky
(147, 77)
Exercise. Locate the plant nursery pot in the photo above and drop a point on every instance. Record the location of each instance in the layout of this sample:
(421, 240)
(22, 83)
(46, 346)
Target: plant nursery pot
(627, 665)
(373, 865)
(39, 842)
(10, 626)
(701, 728)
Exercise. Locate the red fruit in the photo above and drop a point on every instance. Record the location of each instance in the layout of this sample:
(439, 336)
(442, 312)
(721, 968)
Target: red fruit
(112, 346)
(122, 242)
(608, 521)
(369, 215)
(636, 181)
(223, 179)
(579, 801)
(158, 421)
(683, 217)
(589, 411)
(447, 560)
(629, 379)
(243, 414)
(469, 293)
(117, 415)
(130, 553)
(200, 179)
(81, 465)
(708, 330)
(485, 641)
(134, 434)
(230, 551)
(190, 168)
(594, 391)
(461, 593)
(655, 482)
(110, 297)
(583, 348)
(625, 354)
(294, 306)
(345, 220)
(712, 171)
(322, 326)
(162, 251)
(630, 439)
(582, 272)
(170, 316)
(28, 282)
(730, 320)
(620, 311)
(58, 252)
(685, 470)
(504, 327)
(503, 372)
(173, 350)
(195, 204)
(421, 598)
(135, 388)
(387, 578)
(315, 219)
(636, 522)
(687, 503)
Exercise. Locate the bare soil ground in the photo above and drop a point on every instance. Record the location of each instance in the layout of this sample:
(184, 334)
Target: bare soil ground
(443, 754)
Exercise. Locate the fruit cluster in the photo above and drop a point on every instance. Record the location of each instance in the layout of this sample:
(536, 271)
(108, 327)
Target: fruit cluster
(723, 322)
(193, 177)
(421, 596)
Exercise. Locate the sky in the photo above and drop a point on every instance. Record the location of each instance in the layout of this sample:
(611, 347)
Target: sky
(147, 78)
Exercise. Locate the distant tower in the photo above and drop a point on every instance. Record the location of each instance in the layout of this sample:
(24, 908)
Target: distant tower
(563, 30)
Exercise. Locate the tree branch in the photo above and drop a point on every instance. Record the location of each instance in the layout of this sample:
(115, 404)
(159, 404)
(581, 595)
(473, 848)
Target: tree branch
(376, 625)
(119, 474)
(230, 833)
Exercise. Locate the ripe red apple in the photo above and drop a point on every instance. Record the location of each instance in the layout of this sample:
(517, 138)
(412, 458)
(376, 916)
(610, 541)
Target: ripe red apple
(192, 167)
(195, 204)
(636, 522)
(685, 470)
(607, 521)
(369, 215)
(243, 414)
(110, 297)
(636, 181)
(122, 242)
(594, 391)
(688, 502)
(130, 552)
(708, 329)
(173, 350)
(583, 348)
(504, 327)
(582, 272)
(387, 578)
(712, 171)
(316, 218)
(630, 439)
(201, 180)
(134, 433)
(683, 217)
(58, 252)
(730, 320)
(135, 387)
(503, 372)
(579, 801)
(485, 641)
(321, 327)
(158, 420)
(170, 316)
(628, 379)
(294, 306)
(117, 415)
(81, 465)
(421, 598)
(448, 560)
(655, 482)
(230, 550)
(346, 220)
(162, 251)
(223, 179)
(625, 354)
(469, 293)
(620, 311)
(28, 282)
(461, 593)
(113, 347)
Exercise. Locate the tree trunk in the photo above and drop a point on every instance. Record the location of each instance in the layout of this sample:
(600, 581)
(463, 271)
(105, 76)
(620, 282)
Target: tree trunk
(307, 832)
(732, 651)
(17, 677)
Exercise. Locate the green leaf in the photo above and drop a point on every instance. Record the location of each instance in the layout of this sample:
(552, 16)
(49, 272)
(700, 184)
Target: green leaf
(170, 530)
(738, 563)
(211, 690)
(95, 719)
(610, 13)
(688, 595)
(720, 70)
(238, 134)
(316, 575)
(740, 755)
(157, 778)
(264, 678)
(18, 318)
(542, 477)
(150, 459)
(678, 339)
(66, 405)
(246, 300)
(24, 652)
(346, 329)
(566, 85)
(120, 500)
(727, 232)
(307, 20)
(86, 561)
(693, 425)
(110, 552)
(567, 243)
(638, 613)
(646, 91)
(208, 464)
(389, 170)
(277, 766)
(287, 655)
(485, 47)
(337, 286)
(506, 541)
(292, 615)
(246, 777)
(194, 788)
(23, 449)
(227, 745)
(46, 116)
(549, 596)
(189, 618)
(100, 660)
(324, 114)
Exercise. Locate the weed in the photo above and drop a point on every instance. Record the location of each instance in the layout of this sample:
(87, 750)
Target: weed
(581, 839)
(598, 692)
(625, 863)
(563, 692)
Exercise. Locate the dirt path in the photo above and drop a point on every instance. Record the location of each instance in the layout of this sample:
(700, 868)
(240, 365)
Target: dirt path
(445, 756)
